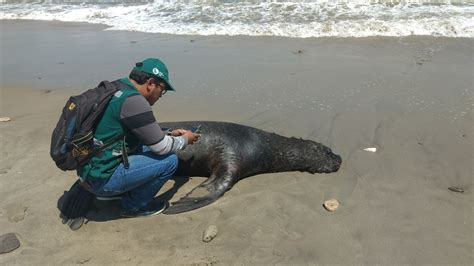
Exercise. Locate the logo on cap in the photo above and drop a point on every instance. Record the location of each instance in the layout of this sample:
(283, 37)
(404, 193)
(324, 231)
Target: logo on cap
(156, 71)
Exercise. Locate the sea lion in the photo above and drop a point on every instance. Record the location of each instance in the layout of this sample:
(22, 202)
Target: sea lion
(228, 152)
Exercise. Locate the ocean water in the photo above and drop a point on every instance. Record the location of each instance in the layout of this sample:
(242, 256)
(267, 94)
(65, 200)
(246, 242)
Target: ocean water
(289, 18)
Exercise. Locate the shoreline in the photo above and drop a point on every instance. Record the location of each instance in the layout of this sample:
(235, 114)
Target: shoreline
(411, 98)
(104, 27)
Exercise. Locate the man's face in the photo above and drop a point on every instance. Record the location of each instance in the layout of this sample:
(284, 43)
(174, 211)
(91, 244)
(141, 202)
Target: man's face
(155, 90)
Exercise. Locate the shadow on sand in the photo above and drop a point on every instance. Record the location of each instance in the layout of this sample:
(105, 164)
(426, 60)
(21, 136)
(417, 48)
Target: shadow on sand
(78, 206)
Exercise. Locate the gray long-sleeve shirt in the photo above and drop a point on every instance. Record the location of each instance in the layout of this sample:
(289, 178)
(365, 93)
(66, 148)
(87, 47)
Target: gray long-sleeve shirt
(137, 116)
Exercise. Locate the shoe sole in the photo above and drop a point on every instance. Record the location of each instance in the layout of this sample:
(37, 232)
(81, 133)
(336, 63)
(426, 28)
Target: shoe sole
(137, 216)
(108, 198)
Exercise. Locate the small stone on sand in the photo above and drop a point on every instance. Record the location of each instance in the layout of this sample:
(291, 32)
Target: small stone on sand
(299, 51)
(209, 233)
(8, 243)
(5, 119)
(456, 189)
(331, 205)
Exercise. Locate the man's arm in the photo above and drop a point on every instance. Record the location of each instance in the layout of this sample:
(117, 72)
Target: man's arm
(136, 115)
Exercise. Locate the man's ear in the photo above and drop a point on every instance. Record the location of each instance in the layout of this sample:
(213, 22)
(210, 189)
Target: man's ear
(148, 83)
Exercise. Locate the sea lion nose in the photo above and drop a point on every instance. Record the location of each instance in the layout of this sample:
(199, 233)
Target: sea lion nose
(333, 161)
(337, 160)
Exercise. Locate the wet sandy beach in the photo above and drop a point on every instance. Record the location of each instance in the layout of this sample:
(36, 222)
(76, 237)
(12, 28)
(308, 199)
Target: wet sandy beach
(411, 98)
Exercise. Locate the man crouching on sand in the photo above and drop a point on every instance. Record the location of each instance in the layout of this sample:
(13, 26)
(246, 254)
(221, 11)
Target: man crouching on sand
(149, 161)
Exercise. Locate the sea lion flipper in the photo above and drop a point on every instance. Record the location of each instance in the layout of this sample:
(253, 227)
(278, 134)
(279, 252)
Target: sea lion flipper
(202, 195)
(199, 197)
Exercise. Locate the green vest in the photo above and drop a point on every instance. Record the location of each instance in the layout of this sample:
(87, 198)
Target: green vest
(103, 165)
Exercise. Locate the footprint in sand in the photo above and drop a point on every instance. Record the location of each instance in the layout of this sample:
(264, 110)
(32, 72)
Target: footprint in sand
(16, 212)
(424, 57)
(298, 51)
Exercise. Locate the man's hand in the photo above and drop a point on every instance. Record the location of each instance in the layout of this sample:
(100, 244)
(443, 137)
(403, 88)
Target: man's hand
(178, 132)
(192, 137)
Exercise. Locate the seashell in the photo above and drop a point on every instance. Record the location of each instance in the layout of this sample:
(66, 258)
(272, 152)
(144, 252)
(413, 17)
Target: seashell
(371, 149)
(210, 233)
(331, 205)
(5, 119)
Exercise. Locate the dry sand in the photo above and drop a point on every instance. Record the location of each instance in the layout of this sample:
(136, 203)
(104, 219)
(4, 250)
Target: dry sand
(411, 98)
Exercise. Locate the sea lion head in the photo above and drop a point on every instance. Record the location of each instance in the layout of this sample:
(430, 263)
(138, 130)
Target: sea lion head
(323, 160)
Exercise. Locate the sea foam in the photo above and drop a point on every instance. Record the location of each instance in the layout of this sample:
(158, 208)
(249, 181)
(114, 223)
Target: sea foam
(299, 19)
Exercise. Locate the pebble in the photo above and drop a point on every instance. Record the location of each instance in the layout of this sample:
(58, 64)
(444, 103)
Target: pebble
(8, 243)
(210, 233)
(456, 189)
(5, 119)
(331, 205)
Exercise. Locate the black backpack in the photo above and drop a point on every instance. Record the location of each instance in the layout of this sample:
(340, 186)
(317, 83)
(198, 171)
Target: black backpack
(72, 142)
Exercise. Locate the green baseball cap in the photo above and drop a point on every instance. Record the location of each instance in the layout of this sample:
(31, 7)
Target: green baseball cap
(155, 67)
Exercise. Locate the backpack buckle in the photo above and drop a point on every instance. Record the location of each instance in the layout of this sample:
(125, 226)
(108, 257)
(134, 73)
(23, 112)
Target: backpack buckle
(80, 151)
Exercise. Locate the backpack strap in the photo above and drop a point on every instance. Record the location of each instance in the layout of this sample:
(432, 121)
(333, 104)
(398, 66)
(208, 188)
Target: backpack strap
(125, 162)
(105, 146)
(119, 85)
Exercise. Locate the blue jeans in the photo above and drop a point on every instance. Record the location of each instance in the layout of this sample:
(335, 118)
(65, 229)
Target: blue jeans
(147, 173)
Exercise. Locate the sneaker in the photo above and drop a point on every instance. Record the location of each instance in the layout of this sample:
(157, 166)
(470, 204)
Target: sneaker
(153, 208)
